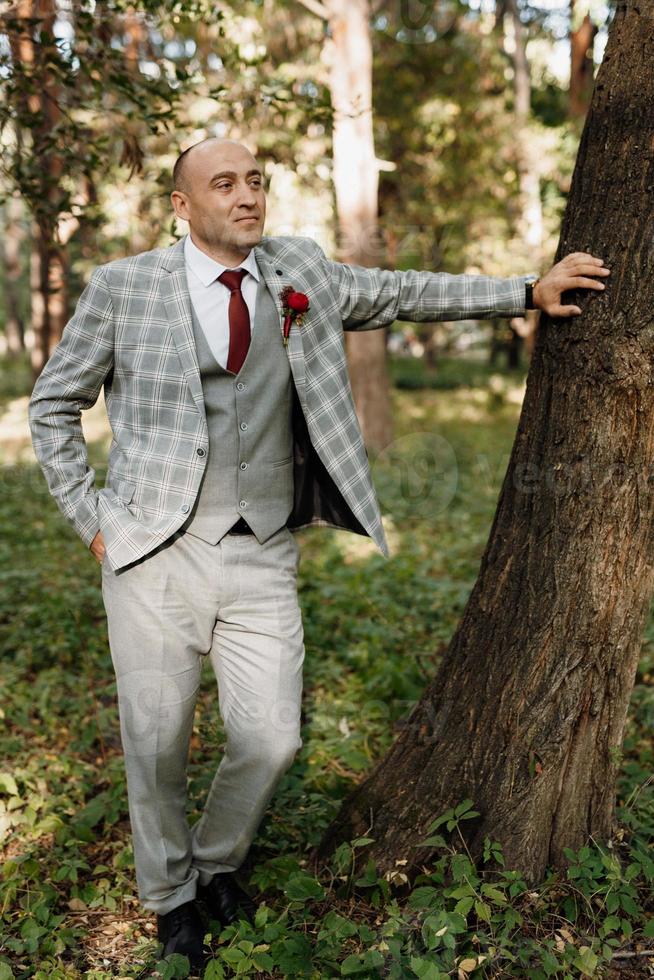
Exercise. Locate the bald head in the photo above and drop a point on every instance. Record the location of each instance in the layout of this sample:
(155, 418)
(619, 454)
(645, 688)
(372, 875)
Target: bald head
(219, 190)
(183, 169)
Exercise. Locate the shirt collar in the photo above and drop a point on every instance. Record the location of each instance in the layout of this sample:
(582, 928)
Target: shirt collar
(207, 269)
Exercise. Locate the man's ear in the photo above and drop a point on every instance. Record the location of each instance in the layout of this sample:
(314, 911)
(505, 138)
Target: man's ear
(178, 201)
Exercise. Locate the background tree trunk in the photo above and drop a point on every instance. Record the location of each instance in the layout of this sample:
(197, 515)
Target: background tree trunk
(526, 714)
(530, 221)
(11, 245)
(33, 45)
(531, 217)
(356, 185)
(582, 65)
(356, 180)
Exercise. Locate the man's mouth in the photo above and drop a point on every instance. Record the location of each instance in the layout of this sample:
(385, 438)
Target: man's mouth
(249, 217)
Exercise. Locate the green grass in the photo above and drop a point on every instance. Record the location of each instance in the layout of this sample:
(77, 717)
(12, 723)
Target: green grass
(15, 378)
(473, 371)
(374, 632)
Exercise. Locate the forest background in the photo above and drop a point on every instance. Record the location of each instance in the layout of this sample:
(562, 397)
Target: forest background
(436, 136)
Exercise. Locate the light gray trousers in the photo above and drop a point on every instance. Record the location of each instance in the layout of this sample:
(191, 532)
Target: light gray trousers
(237, 603)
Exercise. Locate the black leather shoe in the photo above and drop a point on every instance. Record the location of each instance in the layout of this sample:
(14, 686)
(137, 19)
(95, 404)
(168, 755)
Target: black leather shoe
(225, 900)
(181, 931)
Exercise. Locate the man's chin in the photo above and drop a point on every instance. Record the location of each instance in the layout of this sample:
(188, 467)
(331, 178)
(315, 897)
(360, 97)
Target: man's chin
(248, 238)
(254, 239)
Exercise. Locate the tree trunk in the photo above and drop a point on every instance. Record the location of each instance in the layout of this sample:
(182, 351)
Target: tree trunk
(40, 307)
(33, 45)
(12, 242)
(531, 218)
(530, 223)
(582, 66)
(527, 711)
(356, 179)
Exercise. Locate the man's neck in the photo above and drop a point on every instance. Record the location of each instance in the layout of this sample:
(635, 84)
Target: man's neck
(227, 257)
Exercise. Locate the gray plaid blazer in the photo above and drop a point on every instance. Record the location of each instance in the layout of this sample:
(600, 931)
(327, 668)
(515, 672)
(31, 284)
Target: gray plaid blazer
(132, 333)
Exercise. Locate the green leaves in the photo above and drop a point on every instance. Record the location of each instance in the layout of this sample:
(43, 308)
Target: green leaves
(8, 784)
(172, 967)
(426, 969)
(586, 961)
(363, 964)
(451, 819)
(301, 887)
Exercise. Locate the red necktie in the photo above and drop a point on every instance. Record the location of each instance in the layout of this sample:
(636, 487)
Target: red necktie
(239, 319)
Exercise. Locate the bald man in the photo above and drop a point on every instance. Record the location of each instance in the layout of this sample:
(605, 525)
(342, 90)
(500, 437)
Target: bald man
(227, 436)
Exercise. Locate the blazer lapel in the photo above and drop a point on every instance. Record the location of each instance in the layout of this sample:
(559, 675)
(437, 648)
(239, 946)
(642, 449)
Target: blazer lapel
(294, 348)
(177, 300)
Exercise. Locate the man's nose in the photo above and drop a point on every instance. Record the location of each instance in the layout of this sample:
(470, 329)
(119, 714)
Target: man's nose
(247, 196)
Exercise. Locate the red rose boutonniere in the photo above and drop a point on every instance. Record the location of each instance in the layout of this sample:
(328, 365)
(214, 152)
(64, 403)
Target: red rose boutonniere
(294, 306)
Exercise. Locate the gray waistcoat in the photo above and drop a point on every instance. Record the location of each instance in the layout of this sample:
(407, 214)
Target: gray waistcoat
(249, 471)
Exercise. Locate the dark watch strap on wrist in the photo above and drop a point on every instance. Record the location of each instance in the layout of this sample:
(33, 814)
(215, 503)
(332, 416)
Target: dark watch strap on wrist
(529, 293)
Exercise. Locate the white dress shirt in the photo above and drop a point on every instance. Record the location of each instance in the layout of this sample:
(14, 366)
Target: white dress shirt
(210, 298)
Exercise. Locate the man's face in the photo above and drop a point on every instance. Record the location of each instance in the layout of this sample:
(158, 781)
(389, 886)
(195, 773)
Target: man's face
(224, 201)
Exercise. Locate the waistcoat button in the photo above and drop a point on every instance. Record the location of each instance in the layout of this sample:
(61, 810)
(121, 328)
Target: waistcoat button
(201, 452)
(244, 425)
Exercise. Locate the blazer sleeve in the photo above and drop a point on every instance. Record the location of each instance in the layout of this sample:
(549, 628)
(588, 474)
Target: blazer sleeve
(70, 382)
(370, 298)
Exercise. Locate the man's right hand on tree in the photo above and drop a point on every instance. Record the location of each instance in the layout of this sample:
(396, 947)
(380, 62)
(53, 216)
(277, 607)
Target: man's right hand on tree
(572, 272)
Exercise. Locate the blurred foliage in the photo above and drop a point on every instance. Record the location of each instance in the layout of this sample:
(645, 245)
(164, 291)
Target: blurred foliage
(72, 83)
(135, 83)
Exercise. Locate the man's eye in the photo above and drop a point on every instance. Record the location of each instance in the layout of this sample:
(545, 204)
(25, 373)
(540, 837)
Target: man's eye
(222, 187)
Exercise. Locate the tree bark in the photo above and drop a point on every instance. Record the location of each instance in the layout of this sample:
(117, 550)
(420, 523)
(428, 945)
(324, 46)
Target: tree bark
(356, 180)
(527, 711)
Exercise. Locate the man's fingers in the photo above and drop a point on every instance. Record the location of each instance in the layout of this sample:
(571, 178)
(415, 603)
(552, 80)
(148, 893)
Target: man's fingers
(574, 282)
(564, 311)
(575, 257)
(585, 268)
(583, 256)
(583, 262)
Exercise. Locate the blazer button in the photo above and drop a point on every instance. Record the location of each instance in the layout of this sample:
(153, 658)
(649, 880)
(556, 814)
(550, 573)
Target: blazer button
(185, 508)
(200, 451)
